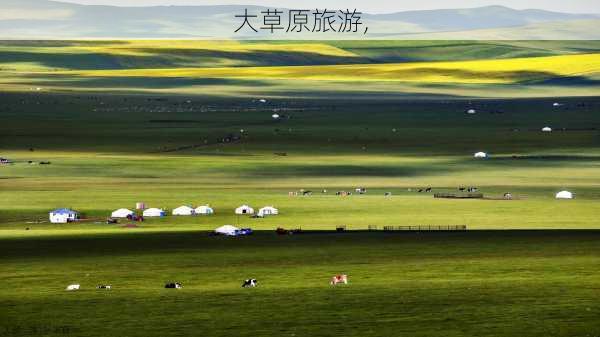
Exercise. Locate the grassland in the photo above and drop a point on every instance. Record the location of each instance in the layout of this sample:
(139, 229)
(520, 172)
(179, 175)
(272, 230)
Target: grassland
(484, 284)
(510, 71)
(128, 121)
(104, 158)
(308, 69)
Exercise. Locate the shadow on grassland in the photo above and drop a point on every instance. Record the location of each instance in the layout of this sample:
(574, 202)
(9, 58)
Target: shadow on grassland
(254, 58)
(570, 81)
(430, 169)
(517, 77)
(60, 43)
(344, 170)
(139, 82)
(283, 89)
(174, 58)
(554, 158)
(416, 244)
(530, 161)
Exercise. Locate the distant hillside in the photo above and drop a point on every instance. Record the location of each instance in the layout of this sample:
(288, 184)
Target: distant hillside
(555, 30)
(43, 19)
(478, 18)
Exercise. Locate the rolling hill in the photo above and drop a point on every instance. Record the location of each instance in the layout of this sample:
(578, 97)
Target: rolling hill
(44, 19)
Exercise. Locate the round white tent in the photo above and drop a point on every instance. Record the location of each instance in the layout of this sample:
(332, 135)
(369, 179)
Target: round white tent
(244, 209)
(121, 213)
(154, 212)
(471, 111)
(547, 129)
(204, 210)
(183, 210)
(227, 230)
(268, 210)
(480, 155)
(564, 195)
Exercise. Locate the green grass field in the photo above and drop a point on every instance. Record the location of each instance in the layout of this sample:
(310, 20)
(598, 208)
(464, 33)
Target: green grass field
(129, 121)
(467, 284)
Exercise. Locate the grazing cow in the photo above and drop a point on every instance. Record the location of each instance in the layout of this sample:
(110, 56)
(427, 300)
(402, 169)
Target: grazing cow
(462, 189)
(173, 285)
(250, 283)
(428, 189)
(339, 279)
(307, 193)
(420, 190)
(72, 287)
(104, 286)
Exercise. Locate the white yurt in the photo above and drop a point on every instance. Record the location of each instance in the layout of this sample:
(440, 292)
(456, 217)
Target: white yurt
(268, 210)
(183, 210)
(547, 129)
(204, 210)
(227, 230)
(244, 209)
(63, 215)
(154, 212)
(275, 116)
(121, 213)
(471, 111)
(564, 195)
(480, 155)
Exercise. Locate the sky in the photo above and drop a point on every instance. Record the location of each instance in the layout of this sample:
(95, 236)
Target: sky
(373, 6)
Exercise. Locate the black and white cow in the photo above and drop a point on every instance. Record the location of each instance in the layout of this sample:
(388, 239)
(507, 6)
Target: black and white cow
(104, 286)
(173, 285)
(250, 283)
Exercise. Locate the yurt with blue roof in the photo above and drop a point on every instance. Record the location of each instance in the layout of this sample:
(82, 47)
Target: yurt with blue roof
(63, 215)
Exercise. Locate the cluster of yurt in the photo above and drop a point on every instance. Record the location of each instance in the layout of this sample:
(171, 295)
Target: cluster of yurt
(265, 211)
(159, 212)
(187, 210)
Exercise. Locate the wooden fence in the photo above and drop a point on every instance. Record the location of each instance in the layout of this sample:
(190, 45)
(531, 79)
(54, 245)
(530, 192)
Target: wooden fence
(425, 228)
(459, 196)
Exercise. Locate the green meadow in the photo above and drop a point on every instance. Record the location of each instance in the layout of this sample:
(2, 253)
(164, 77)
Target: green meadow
(462, 284)
(173, 123)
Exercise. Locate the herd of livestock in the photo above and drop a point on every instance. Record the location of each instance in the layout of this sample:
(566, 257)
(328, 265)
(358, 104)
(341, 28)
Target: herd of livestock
(247, 283)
